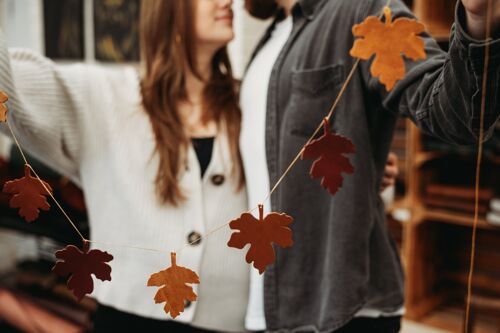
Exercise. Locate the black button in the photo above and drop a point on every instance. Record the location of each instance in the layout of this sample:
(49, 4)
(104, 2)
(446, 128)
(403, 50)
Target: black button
(194, 238)
(187, 304)
(218, 179)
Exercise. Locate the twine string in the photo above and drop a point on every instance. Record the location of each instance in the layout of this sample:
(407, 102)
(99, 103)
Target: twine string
(470, 278)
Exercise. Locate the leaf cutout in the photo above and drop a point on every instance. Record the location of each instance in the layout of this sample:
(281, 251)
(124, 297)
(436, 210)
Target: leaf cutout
(175, 290)
(328, 152)
(80, 265)
(260, 234)
(3, 108)
(389, 41)
(29, 195)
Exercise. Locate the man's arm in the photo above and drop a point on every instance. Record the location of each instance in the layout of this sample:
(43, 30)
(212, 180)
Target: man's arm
(442, 94)
(45, 104)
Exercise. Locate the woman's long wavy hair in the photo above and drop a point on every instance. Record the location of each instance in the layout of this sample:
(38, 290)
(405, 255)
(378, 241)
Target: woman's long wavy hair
(168, 48)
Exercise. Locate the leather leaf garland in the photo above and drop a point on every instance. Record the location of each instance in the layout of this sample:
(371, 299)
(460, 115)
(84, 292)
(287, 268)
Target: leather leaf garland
(260, 234)
(29, 195)
(388, 41)
(3, 108)
(328, 152)
(175, 289)
(80, 265)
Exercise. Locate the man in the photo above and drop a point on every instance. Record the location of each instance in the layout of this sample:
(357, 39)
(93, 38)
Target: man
(343, 273)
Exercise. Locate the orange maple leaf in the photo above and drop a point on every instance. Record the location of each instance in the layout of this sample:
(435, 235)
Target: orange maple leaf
(388, 42)
(29, 195)
(3, 108)
(260, 234)
(328, 152)
(80, 265)
(175, 290)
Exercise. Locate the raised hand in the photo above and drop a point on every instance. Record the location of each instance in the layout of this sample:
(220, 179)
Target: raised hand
(391, 171)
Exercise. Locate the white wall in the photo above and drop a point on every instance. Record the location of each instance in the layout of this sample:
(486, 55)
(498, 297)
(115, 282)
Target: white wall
(22, 23)
(248, 32)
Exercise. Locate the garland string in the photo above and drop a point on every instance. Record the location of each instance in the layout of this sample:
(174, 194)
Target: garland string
(470, 278)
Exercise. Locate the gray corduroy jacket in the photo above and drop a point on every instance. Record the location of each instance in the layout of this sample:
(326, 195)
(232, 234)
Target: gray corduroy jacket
(343, 258)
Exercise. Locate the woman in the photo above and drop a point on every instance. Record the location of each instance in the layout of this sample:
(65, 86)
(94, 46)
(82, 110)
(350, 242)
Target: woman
(141, 149)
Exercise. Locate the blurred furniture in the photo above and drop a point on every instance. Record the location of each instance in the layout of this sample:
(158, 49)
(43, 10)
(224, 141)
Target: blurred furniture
(487, 305)
(25, 315)
(437, 15)
(432, 220)
(32, 298)
(51, 224)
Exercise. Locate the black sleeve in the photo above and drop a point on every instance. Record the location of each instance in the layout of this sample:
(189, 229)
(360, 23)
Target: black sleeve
(442, 94)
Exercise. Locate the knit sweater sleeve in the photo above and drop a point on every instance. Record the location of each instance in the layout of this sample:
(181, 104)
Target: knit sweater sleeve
(46, 102)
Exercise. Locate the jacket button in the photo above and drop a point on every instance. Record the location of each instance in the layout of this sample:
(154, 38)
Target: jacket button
(218, 180)
(187, 304)
(194, 238)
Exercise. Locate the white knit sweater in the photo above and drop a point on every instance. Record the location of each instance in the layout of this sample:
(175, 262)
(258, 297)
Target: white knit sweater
(87, 123)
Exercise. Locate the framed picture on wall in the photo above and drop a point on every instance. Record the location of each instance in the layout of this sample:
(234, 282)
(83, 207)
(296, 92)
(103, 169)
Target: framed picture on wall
(63, 29)
(116, 28)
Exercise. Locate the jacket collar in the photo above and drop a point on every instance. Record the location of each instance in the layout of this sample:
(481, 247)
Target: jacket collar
(309, 8)
(304, 8)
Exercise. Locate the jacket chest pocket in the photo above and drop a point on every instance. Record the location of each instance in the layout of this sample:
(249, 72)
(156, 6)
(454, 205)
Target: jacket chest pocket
(312, 93)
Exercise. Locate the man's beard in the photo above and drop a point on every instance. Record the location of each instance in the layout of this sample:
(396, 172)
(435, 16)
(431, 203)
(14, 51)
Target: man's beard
(261, 9)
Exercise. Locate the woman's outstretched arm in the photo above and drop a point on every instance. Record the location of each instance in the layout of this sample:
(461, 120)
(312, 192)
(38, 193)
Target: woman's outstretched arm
(45, 104)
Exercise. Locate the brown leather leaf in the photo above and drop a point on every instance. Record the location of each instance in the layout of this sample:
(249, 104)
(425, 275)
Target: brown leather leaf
(328, 152)
(175, 290)
(29, 195)
(3, 108)
(80, 265)
(388, 41)
(261, 234)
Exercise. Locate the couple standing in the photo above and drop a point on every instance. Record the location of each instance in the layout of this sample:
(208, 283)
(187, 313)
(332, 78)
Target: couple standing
(166, 156)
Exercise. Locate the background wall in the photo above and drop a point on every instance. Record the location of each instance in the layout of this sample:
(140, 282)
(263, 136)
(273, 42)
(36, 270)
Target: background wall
(248, 32)
(22, 23)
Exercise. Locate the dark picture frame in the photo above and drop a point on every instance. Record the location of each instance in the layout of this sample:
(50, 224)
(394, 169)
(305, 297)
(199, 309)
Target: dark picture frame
(63, 29)
(116, 26)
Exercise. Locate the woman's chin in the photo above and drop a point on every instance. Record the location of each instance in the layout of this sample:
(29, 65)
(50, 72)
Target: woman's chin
(222, 40)
(228, 35)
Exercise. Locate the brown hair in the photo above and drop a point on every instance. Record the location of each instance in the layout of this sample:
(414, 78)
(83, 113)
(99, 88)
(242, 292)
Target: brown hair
(168, 47)
(261, 9)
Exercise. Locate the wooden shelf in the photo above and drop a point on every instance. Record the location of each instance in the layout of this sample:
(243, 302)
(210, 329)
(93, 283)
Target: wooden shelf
(450, 318)
(419, 214)
(480, 281)
(425, 229)
(422, 157)
(456, 218)
(425, 305)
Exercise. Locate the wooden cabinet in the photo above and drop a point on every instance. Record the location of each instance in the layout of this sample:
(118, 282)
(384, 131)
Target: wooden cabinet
(435, 242)
(435, 235)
